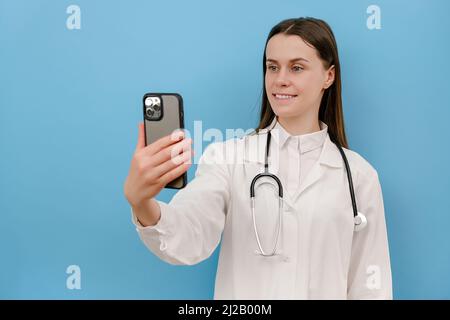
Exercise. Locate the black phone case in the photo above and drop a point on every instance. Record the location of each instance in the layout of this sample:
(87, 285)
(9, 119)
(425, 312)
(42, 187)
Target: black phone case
(172, 118)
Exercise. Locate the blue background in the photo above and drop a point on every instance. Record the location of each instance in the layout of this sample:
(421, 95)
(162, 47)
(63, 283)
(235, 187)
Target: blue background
(70, 102)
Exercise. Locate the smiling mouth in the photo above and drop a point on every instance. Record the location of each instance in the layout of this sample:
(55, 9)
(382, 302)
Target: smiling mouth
(283, 96)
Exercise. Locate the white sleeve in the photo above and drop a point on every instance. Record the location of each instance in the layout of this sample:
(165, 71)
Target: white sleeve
(191, 224)
(370, 269)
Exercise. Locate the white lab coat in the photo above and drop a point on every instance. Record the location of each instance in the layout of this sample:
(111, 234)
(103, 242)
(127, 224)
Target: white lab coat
(320, 255)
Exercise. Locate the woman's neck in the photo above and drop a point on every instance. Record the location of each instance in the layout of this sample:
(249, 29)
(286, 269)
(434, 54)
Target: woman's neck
(299, 125)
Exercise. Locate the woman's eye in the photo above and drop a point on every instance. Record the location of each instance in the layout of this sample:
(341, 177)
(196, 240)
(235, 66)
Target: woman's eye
(275, 68)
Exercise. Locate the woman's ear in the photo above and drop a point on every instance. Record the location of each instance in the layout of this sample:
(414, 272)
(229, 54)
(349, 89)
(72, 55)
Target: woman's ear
(330, 73)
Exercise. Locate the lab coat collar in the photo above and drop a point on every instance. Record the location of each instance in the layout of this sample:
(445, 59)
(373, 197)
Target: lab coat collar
(256, 148)
(307, 142)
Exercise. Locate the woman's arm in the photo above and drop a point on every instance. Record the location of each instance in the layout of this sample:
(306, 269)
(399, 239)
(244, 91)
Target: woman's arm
(191, 224)
(370, 270)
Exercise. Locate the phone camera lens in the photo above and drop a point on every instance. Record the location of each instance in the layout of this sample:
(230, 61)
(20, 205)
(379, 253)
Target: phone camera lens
(149, 102)
(153, 108)
(150, 112)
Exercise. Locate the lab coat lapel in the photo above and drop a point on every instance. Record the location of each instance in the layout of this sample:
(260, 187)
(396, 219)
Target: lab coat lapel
(329, 157)
(255, 146)
(274, 168)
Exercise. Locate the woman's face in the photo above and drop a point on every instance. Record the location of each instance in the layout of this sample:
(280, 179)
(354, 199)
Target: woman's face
(295, 76)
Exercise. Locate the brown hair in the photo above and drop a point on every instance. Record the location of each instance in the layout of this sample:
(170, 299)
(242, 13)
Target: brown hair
(318, 34)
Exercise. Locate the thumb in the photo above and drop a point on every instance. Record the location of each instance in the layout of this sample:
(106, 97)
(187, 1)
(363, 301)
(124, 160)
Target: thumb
(141, 137)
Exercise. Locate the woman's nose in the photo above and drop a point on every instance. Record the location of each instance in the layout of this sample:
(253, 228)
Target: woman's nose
(282, 79)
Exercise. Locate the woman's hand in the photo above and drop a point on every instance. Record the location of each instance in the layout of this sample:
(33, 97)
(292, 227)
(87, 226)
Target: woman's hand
(152, 167)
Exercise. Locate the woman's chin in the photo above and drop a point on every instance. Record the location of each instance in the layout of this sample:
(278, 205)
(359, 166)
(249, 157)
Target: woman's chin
(284, 111)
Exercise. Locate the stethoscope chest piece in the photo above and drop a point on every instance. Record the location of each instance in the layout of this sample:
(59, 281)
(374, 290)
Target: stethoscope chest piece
(360, 222)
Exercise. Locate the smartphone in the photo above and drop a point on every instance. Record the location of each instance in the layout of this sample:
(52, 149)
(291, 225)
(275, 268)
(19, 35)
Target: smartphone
(163, 114)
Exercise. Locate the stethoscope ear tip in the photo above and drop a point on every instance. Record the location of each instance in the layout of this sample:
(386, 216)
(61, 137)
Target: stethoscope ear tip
(360, 222)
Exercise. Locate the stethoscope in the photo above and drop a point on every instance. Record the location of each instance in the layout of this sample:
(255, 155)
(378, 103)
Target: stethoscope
(360, 221)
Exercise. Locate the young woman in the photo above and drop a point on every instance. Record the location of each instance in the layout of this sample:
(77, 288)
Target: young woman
(308, 225)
